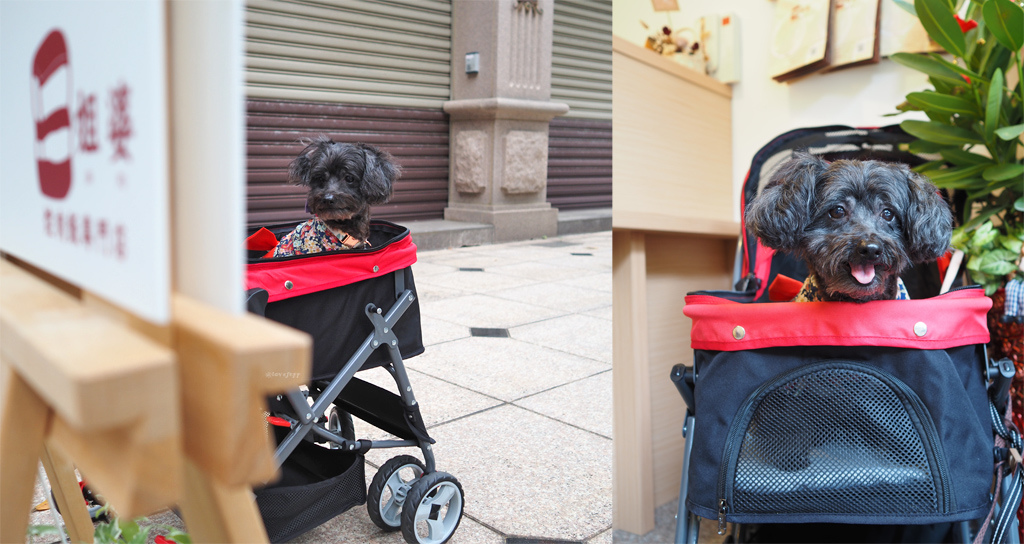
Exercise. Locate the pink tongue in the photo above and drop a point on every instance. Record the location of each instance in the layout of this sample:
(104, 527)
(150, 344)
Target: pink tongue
(863, 273)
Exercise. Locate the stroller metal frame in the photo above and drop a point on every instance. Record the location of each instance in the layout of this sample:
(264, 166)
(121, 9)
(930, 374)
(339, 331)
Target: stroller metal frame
(427, 505)
(382, 337)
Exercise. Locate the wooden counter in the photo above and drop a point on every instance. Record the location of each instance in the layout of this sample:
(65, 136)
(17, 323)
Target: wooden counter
(673, 233)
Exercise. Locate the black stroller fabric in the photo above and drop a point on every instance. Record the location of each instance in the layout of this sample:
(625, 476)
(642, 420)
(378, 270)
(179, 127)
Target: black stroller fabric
(872, 413)
(336, 320)
(316, 485)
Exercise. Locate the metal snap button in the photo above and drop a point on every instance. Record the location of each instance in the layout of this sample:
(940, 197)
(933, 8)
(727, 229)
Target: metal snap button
(288, 285)
(739, 332)
(920, 328)
(376, 268)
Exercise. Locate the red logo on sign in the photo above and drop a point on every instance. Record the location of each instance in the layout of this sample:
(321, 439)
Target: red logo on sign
(87, 123)
(120, 121)
(51, 59)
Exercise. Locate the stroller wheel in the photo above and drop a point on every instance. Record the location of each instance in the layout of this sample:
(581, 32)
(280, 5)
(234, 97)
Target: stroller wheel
(389, 489)
(433, 509)
(340, 422)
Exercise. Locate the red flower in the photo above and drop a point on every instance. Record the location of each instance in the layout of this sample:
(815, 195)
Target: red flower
(965, 25)
(967, 79)
(161, 540)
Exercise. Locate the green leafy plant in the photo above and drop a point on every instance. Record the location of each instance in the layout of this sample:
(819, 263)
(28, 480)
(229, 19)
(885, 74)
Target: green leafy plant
(991, 254)
(40, 530)
(115, 531)
(976, 119)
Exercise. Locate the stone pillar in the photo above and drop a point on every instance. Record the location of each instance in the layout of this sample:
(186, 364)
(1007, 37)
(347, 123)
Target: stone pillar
(499, 117)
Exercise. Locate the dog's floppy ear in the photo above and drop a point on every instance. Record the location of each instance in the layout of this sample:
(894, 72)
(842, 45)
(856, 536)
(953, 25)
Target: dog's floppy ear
(379, 175)
(928, 223)
(778, 216)
(300, 167)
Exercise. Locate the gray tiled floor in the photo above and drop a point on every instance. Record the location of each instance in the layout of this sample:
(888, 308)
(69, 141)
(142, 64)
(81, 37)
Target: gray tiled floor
(504, 368)
(523, 422)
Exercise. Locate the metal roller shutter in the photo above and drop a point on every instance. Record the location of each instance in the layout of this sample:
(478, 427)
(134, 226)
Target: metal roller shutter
(379, 53)
(418, 139)
(358, 71)
(580, 164)
(581, 59)
(580, 144)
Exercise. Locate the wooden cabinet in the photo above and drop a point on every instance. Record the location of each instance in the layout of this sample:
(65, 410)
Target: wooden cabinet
(673, 206)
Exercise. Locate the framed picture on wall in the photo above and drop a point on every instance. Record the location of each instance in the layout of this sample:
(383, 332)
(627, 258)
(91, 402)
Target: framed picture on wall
(800, 38)
(855, 31)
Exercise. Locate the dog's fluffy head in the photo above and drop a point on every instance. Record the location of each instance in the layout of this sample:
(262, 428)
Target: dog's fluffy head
(344, 180)
(858, 224)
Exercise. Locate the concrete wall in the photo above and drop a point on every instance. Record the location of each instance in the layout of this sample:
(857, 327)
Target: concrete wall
(762, 108)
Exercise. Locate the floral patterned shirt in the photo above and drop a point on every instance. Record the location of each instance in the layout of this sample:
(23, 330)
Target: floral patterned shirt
(313, 236)
(811, 291)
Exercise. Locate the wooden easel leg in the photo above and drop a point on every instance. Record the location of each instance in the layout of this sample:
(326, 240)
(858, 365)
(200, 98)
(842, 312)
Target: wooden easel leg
(216, 513)
(23, 426)
(64, 484)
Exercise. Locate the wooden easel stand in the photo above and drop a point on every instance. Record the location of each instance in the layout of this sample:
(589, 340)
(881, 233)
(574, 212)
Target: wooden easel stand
(154, 416)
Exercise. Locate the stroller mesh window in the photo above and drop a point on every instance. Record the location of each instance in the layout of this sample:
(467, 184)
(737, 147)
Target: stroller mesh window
(834, 440)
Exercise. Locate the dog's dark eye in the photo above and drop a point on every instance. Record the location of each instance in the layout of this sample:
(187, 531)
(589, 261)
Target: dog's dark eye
(837, 212)
(887, 214)
(349, 178)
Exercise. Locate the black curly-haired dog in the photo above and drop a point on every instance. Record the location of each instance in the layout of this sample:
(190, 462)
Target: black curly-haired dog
(344, 180)
(857, 224)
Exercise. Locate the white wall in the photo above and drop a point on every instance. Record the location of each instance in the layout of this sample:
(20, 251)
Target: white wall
(762, 108)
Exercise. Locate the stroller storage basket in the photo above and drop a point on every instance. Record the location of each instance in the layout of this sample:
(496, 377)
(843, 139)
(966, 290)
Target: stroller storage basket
(316, 484)
(325, 295)
(872, 413)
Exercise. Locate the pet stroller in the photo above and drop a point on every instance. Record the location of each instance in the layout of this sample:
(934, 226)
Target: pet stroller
(360, 307)
(825, 421)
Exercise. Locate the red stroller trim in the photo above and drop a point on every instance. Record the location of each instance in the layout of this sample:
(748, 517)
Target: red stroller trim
(954, 319)
(297, 276)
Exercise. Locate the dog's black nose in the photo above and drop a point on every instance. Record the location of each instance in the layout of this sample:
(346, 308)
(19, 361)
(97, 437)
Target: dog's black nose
(869, 250)
(328, 197)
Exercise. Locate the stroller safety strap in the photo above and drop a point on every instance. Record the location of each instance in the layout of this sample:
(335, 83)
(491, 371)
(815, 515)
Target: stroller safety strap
(954, 319)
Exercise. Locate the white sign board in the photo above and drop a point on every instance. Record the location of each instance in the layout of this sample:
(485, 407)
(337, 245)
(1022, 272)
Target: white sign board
(83, 146)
